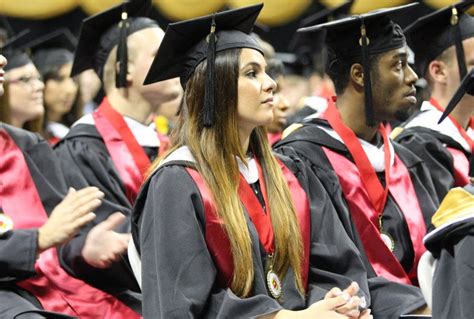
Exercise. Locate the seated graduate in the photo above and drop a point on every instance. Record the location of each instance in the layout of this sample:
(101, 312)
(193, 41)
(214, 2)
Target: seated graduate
(113, 147)
(445, 147)
(52, 55)
(37, 214)
(383, 193)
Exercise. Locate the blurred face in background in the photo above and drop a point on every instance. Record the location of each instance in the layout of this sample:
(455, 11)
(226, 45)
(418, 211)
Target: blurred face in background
(280, 109)
(25, 94)
(60, 93)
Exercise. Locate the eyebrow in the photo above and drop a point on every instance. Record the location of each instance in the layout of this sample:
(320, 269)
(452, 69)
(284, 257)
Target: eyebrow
(253, 63)
(401, 55)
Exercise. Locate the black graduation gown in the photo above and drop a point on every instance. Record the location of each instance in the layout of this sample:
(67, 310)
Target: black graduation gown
(18, 248)
(453, 247)
(306, 144)
(179, 275)
(85, 161)
(431, 146)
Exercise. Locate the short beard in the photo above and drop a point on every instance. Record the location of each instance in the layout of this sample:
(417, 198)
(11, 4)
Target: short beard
(403, 115)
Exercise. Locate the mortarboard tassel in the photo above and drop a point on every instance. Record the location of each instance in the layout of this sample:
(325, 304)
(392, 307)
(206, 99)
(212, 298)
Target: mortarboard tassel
(364, 42)
(456, 30)
(122, 52)
(209, 93)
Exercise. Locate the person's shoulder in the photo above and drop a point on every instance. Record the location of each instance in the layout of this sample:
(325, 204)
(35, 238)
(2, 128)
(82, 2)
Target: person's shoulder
(23, 138)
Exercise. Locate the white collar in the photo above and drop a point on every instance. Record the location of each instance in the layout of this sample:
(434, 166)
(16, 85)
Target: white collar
(144, 135)
(429, 118)
(375, 154)
(57, 129)
(183, 153)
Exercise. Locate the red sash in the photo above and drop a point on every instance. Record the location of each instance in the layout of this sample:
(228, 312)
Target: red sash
(54, 288)
(366, 216)
(128, 156)
(216, 237)
(460, 162)
(367, 198)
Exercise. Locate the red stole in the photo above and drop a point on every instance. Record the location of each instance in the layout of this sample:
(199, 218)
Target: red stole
(460, 161)
(274, 137)
(128, 156)
(54, 288)
(367, 198)
(216, 237)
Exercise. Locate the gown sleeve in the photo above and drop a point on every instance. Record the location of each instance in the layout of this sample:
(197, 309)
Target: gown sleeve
(85, 162)
(178, 271)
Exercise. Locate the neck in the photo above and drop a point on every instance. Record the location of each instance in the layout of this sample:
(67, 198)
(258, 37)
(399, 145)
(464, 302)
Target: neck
(350, 113)
(462, 112)
(244, 136)
(54, 116)
(17, 122)
(138, 110)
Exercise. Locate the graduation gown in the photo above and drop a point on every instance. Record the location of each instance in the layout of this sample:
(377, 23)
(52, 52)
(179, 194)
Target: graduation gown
(180, 280)
(19, 247)
(441, 147)
(86, 161)
(452, 244)
(307, 142)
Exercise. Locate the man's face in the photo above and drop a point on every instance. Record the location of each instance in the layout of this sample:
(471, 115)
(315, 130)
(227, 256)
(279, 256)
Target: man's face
(453, 78)
(393, 86)
(143, 46)
(3, 63)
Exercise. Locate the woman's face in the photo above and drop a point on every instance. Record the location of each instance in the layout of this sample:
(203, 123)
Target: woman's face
(25, 94)
(255, 91)
(60, 92)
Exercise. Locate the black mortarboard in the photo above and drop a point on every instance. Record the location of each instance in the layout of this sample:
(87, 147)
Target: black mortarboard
(327, 15)
(187, 43)
(14, 51)
(466, 87)
(52, 50)
(364, 35)
(430, 35)
(102, 32)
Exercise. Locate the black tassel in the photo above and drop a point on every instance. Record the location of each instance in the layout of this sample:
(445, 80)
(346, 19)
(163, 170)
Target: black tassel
(209, 93)
(122, 53)
(456, 30)
(364, 42)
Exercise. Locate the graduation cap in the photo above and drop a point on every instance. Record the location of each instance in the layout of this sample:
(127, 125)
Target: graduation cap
(52, 50)
(100, 33)
(430, 35)
(466, 86)
(188, 43)
(327, 15)
(14, 51)
(364, 35)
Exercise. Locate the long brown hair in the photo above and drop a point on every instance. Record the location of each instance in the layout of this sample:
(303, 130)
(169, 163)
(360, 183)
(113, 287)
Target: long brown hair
(35, 125)
(214, 150)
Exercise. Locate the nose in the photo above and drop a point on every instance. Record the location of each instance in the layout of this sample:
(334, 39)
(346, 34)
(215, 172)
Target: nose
(3, 61)
(269, 85)
(411, 76)
(284, 105)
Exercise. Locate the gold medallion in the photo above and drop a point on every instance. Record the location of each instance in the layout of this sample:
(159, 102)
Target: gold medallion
(387, 240)
(6, 224)
(274, 284)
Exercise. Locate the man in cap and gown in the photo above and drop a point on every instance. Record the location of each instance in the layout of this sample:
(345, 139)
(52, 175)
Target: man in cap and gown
(113, 147)
(382, 192)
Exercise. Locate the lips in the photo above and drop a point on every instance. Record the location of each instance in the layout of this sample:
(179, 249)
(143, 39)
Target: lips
(269, 100)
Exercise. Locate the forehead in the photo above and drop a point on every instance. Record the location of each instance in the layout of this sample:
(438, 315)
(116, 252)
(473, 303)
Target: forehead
(394, 54)
(28, 69)
(251, 56)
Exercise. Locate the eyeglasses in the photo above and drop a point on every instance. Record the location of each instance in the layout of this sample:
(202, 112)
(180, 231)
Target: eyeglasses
(26, 80)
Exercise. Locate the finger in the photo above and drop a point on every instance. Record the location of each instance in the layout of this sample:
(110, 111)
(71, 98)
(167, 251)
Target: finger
(351, 308)
(365, 314)
(352, 289)
(112, 221)
(85, 195)
(336, 302)
(83, 220)
(334, 292)
(86, 208)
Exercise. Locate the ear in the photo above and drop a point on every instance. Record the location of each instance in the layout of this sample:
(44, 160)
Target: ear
(129, 67)
(437, 70)
(357, 75)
